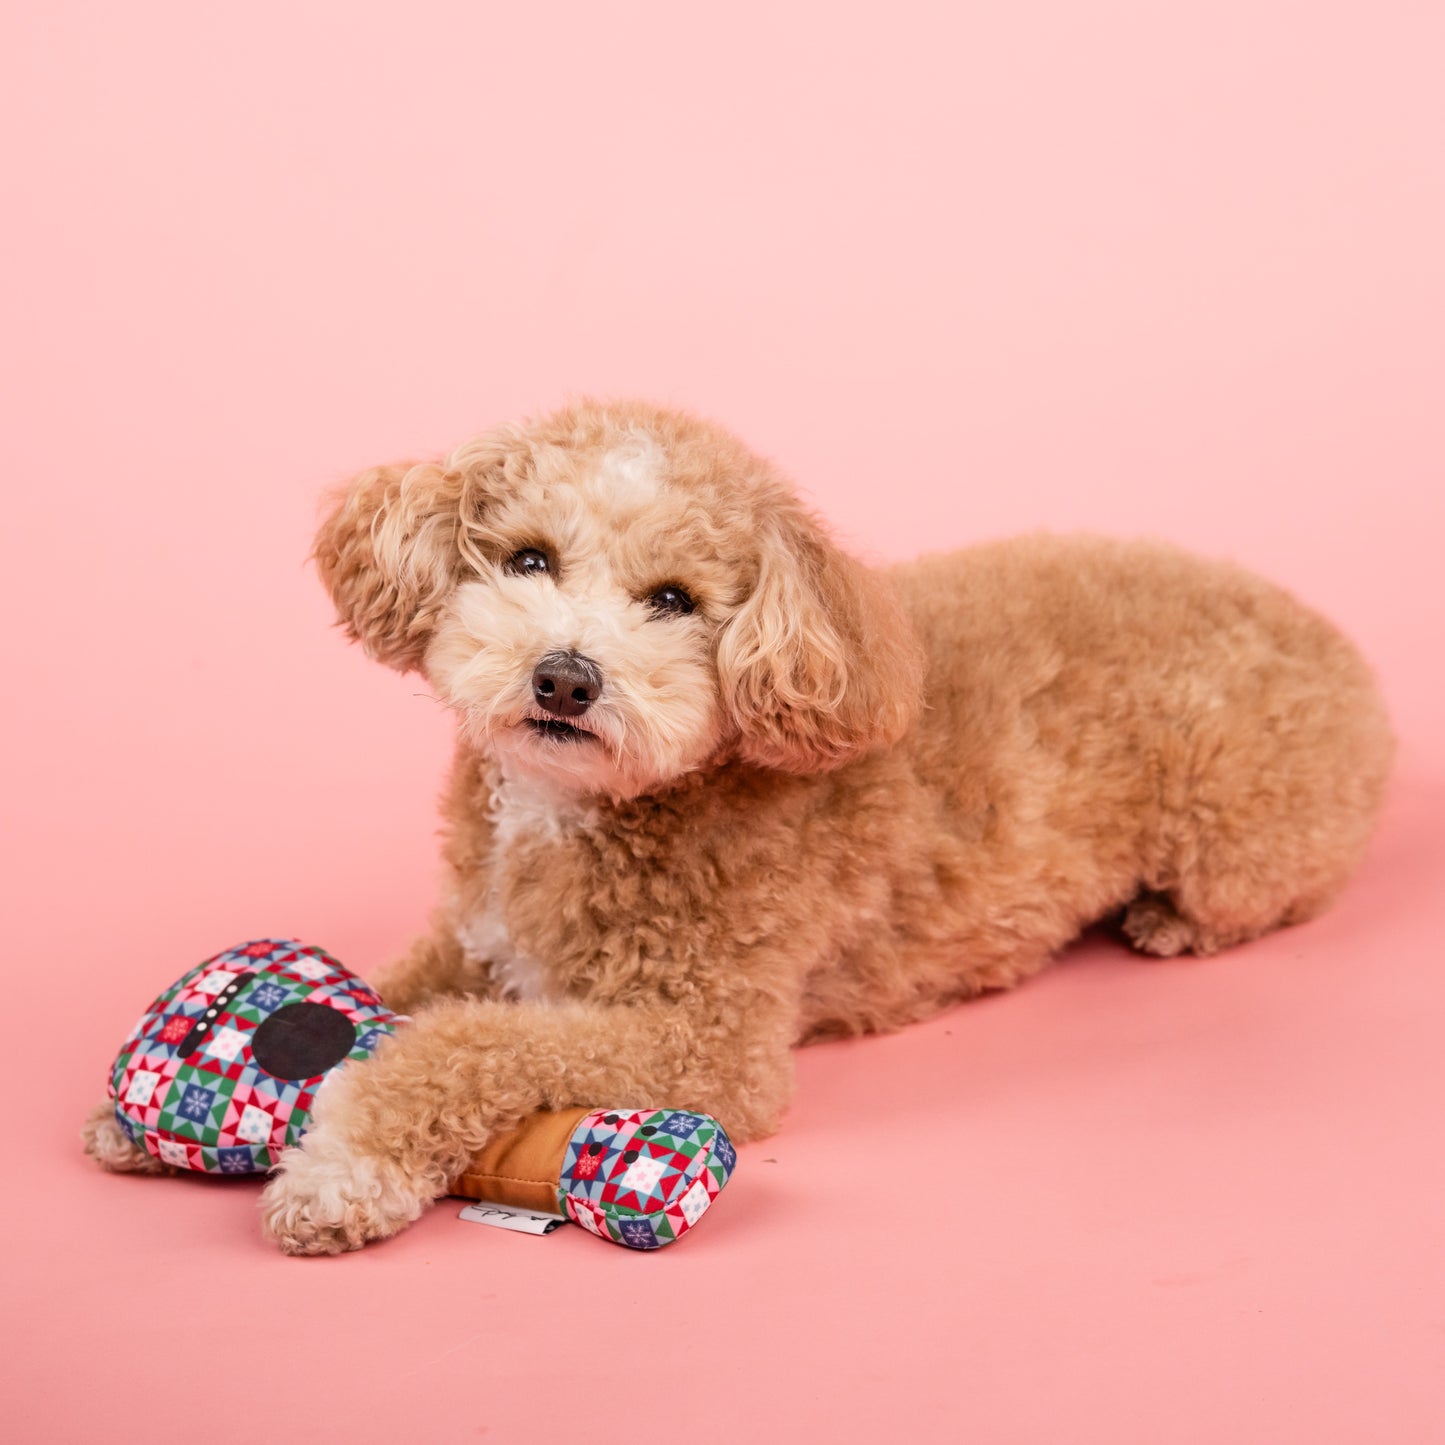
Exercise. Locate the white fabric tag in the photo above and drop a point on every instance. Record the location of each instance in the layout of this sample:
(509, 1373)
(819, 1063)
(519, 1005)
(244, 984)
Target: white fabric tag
(523, 1221)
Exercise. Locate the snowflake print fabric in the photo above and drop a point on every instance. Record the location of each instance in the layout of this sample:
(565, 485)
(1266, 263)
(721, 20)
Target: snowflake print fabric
(220, 1072)
(643, 1179)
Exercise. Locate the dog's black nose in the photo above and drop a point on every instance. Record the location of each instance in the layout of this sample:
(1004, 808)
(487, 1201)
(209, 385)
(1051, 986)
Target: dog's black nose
(566, 684)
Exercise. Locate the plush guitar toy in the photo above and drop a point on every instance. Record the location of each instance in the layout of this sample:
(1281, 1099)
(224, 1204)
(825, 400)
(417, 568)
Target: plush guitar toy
(220, 1073)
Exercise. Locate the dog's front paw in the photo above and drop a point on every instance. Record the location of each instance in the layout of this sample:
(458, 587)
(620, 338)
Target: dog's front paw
(325, 1202)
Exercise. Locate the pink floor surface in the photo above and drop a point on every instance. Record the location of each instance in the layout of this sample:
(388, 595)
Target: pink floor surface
(965, 271)
(1192, 1201)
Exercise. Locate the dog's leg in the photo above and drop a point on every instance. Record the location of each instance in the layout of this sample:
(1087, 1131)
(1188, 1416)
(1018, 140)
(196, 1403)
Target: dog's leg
(389, 1135)
(112, 1148)
(1271, 806)
(1231, 885)
(433, 968)
(1214, 914)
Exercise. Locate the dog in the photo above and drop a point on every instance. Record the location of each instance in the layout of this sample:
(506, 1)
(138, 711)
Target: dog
(720, 789)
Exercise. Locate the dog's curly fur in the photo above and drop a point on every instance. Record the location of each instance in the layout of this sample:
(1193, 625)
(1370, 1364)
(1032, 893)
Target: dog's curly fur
(827, 800)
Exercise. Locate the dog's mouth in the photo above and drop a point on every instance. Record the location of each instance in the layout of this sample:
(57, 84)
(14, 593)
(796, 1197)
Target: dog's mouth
(558, 730)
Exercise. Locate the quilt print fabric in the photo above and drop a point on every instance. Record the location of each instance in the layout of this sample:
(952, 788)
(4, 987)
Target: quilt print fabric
(220, 1073)
(643, 1179)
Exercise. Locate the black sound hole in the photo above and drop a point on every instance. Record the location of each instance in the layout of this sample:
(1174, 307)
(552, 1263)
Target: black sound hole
(302, 1040)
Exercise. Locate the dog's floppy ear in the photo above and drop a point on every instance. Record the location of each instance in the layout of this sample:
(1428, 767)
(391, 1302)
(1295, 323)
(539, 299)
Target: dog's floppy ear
(389, 554)
(820, 664)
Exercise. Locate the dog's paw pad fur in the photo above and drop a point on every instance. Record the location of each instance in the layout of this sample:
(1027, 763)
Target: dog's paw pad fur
(1153, 926)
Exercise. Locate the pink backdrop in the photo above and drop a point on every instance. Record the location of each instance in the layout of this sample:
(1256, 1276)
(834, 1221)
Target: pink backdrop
(1164, 269)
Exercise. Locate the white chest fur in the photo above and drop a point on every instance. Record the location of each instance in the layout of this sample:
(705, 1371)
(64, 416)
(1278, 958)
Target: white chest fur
(523, 810)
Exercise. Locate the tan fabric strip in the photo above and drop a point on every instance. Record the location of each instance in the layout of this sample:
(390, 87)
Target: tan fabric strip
(522, 1168)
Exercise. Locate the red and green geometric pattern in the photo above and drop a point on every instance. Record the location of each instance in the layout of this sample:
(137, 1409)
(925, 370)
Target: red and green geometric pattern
(643, 1179)
(221, 1070)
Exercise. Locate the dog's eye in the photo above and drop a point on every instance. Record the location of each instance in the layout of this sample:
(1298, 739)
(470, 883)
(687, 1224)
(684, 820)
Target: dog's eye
(529, 562)
(670, 599)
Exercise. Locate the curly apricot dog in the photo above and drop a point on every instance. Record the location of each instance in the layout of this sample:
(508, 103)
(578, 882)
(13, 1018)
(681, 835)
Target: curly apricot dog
(720, 789)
